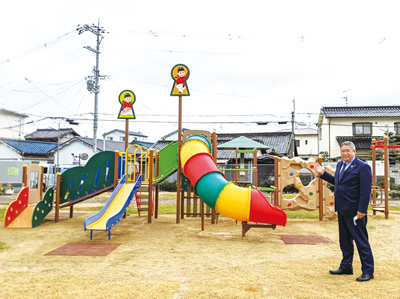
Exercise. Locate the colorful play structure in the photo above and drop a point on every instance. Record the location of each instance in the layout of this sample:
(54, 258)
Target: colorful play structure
(137, 174)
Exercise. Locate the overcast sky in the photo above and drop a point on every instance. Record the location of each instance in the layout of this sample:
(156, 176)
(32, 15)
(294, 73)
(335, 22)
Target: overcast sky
(248, 61)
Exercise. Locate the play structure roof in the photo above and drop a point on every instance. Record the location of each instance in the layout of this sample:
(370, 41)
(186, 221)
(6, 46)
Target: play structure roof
(242, 142)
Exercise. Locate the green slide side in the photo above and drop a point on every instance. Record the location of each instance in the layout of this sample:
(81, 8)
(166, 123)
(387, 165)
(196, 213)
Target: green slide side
(43, 207)
(168, 161)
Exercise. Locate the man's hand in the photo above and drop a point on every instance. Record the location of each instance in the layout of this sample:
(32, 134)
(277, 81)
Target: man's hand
(360, 215)
(319, 168)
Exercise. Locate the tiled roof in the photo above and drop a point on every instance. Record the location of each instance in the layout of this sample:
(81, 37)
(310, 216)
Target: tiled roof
(279, 143)
(31, 147)
(173, 135)
(131, 133)
(110, 145)
(302, 131)
(361, 142)
(361, 111)
(50, 133)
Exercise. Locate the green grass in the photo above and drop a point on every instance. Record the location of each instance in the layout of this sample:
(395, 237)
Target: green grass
(2, 212)
(3, 246)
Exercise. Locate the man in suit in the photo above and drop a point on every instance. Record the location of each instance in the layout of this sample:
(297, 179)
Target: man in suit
(353, 181)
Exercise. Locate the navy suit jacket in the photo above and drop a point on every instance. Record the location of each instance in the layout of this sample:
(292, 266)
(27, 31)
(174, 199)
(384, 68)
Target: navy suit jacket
(353, 191)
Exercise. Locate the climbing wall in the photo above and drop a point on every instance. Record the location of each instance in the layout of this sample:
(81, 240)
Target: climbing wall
(308, 196)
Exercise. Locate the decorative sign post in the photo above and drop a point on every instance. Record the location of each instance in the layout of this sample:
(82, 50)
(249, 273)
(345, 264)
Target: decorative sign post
(126, 98)
(180, 73)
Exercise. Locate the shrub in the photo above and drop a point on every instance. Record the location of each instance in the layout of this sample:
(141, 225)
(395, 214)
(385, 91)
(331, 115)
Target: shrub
(168, 186)
(394, 194)
(267, 183)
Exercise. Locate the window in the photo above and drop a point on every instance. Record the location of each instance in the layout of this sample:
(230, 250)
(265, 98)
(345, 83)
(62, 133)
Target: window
(121, 138)
(109, 138)
(397, 128)
(305, 142)
(297, 143)
(362, 129)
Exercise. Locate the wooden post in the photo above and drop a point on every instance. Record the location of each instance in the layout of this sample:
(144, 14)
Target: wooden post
(41, 181)
(202, 214)
(158, 185)
(178, 179)
(126, 133)
(374, 176)
(386, 153)
(214, 154)
(320, 194)
(25, 175)
(58, 190)
(276, 177)
(116, 166)
(151, 166)
(255, 173)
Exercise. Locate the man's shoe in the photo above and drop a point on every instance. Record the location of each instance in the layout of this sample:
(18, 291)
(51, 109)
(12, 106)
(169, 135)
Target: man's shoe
(365, 277)
(341, 272)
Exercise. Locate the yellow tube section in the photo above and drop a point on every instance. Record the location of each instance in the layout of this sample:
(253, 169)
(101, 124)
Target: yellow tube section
(234, 202)
(191, 148)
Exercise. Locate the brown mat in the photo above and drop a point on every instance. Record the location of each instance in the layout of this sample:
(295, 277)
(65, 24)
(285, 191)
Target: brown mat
(303, 239)
(85, 249)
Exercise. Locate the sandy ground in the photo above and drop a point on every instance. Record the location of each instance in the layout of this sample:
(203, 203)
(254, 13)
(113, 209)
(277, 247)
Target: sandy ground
(169, 260)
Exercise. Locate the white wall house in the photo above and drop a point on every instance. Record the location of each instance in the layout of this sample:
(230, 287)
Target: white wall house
(12, 124)
(358, 124)
(119, 135)
(306, 141)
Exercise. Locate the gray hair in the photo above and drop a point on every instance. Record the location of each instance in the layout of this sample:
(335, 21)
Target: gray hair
(349, 143)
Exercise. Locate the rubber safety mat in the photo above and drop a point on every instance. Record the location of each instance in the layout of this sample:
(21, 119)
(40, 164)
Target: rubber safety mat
(85, 249)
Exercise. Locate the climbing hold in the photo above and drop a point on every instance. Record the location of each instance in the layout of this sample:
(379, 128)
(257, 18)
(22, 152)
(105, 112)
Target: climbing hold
(292, 173)
(311, 194)
(299, 185)
(289, 204)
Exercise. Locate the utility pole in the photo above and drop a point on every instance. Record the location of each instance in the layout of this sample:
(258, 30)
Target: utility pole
(345, 97)
(293, 144)
(93, 81)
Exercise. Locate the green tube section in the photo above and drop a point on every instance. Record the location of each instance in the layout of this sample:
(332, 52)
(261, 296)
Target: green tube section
(210, 186)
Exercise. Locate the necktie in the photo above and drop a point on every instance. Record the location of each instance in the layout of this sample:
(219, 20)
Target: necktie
(342, 171)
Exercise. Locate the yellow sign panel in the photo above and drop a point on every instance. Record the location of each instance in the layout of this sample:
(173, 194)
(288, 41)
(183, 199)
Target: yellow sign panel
(180, 73)
(13, 171)
(126, 99)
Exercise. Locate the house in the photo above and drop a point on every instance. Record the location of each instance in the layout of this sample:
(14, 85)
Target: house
(306, 140)
(119, 135)
(12, 124)
(27, 150)
(359, 124)
(52, 135)
(78, 150)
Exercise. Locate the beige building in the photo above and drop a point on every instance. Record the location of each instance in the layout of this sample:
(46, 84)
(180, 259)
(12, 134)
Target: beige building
(358, 124)
(12, 124)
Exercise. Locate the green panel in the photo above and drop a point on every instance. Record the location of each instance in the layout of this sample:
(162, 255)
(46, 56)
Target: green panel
(81, 181)
(168, 160)
(43, 207)
(210, 186)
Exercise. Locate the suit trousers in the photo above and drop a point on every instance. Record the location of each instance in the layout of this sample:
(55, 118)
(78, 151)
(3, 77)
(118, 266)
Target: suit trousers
(348, 233)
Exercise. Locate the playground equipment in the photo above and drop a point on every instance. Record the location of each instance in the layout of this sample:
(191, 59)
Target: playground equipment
(242, 204)
(115, 207)
(315, 195)
(383, 205)
(29, 209)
